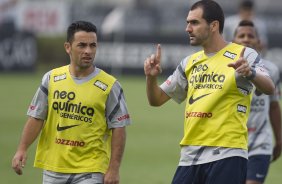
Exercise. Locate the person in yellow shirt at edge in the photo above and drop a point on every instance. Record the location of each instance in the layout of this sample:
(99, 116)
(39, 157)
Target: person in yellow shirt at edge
(217, 82)
(81, 113)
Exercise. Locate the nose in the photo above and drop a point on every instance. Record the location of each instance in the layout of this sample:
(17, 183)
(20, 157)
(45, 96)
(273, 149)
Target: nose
(188, 28)
(246, 39)
(88, 49)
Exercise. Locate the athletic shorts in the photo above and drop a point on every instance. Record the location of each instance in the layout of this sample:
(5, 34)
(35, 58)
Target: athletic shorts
(50, 177)
(258, 167)
(230, 170)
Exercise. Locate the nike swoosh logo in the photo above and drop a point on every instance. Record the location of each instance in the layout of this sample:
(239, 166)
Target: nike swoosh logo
(61, 128)
(193, 100)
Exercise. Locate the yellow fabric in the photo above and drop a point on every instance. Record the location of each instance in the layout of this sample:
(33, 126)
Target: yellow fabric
(219, 116)
(85, 147)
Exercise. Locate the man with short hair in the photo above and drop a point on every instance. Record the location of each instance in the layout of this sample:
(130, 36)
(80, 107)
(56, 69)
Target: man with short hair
(217, 83)
(81, 114)
(265, 112)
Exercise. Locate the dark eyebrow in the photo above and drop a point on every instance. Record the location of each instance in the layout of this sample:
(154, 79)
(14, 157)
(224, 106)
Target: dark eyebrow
(192, 21)
(83, 43)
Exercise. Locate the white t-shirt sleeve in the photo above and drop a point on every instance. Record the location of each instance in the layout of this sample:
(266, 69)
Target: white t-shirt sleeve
(39, 105)
(176, 85)
(255, 61)
(116, 109)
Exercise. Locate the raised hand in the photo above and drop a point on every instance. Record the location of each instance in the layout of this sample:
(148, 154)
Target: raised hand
(241, 66)
(152, 65)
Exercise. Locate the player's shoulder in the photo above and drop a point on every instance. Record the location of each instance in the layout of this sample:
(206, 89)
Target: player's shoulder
(195, 56)
(105, 75)
(249, 50)
(46, 77)
(184, 61)
(60, 69)
(252, 56)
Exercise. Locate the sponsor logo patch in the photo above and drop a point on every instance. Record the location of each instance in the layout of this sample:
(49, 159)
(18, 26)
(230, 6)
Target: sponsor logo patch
(32, 107)
(197, 59)
(192, 100)
(61, 128)
(168, 82)
(241, 108)
(202, 78)
(101, 85)
(64, 104)
(253, 129)
(243, 91)
(230, 55)
(199, 114)
(67, 142)
(60, 77)
(124, 117)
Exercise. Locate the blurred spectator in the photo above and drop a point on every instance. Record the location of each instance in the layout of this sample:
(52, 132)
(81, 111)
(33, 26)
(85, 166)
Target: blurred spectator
(246, 12)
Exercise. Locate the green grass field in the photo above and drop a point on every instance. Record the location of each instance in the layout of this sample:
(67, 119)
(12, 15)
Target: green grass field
(152, 149)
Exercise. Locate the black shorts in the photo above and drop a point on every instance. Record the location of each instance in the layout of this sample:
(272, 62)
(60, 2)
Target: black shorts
(231, 170)
(258, 167)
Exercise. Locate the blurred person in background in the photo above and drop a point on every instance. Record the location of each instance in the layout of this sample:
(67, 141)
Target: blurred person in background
(217, 83)
(81, 114)
(265, 112)
(246, 11)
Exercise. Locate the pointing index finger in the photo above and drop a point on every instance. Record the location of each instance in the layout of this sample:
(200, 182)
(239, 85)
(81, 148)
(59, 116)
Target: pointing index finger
(242, 52)
(158, 52)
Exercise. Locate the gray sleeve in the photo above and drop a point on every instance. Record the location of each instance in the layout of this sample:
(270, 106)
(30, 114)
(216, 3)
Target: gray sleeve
(39, 105)
(116, 109)
(255, 62)
(176, 85)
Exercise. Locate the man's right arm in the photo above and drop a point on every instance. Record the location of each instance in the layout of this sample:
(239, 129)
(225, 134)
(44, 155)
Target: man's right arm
(152, 68)
(30, 132)
(275, 120)
(37, 113)
(156, 96)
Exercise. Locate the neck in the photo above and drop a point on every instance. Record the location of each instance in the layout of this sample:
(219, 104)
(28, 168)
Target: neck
(80, 72)
(215, 44)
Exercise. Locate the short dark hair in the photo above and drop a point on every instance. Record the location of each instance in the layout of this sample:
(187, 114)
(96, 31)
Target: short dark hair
(211, 12)
(79, 26)
(247, 23)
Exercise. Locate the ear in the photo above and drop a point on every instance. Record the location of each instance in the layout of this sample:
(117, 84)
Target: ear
(214, 25)
(67, 46)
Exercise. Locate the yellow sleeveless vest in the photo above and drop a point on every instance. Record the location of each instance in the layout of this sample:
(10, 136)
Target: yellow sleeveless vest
(216, 111)
(75, 137)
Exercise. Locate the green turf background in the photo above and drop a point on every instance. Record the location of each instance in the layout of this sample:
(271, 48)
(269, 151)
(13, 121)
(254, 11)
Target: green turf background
(152, 149)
